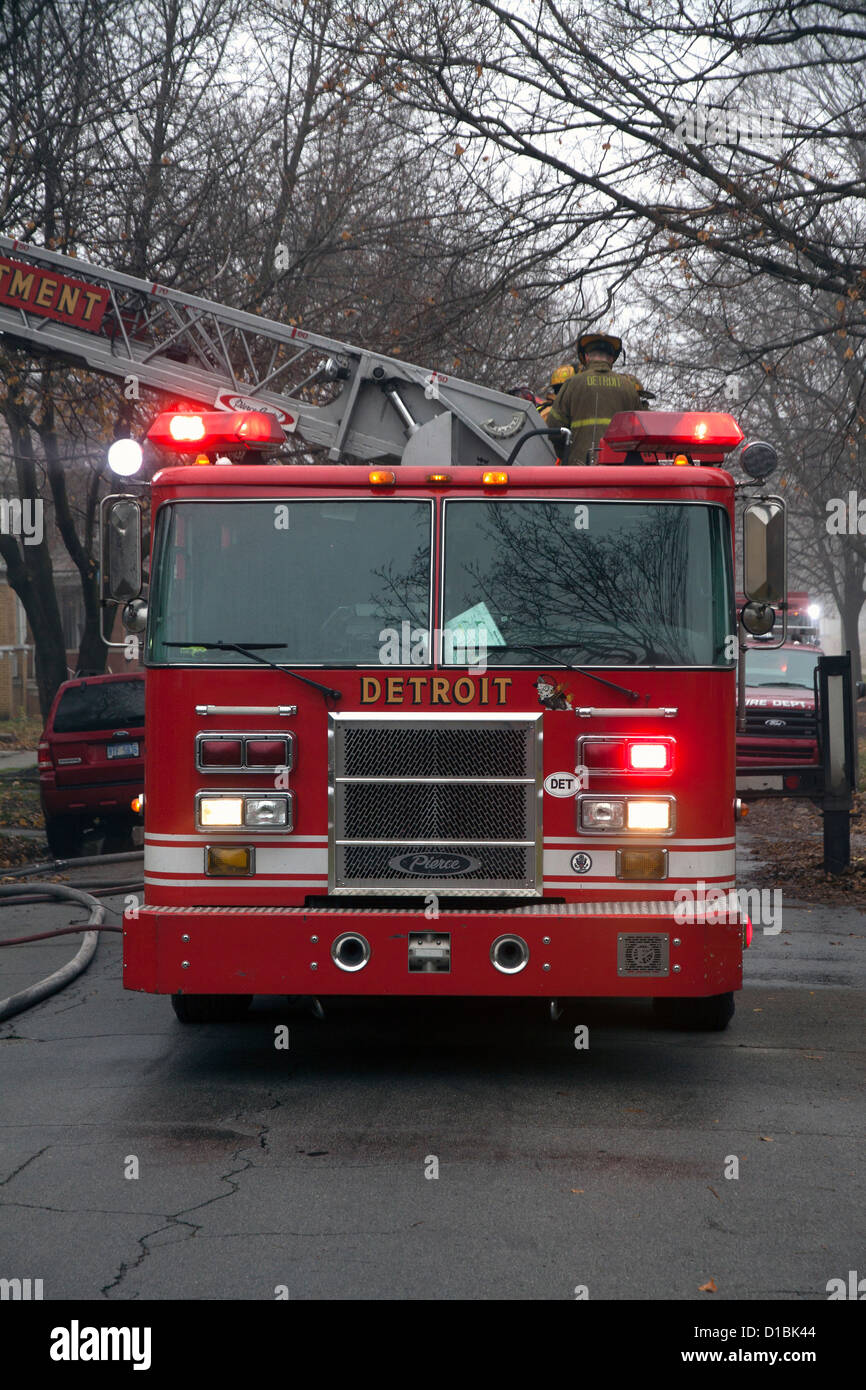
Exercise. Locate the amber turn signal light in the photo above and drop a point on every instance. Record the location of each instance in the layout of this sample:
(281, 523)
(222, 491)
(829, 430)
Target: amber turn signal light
(228, 860)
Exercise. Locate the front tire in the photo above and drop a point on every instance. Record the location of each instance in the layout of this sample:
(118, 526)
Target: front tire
(210, 1008)
(710, 1015)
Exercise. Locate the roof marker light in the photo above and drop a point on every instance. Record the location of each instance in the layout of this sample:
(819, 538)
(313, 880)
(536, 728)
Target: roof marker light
(439, 477)
(492, 478)
(382, 477)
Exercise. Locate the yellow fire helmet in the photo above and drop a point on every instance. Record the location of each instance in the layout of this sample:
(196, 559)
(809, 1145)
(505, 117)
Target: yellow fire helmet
(560, 375)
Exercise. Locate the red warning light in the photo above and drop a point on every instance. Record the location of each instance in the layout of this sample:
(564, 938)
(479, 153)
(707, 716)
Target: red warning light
(670, 432)
(213, 430)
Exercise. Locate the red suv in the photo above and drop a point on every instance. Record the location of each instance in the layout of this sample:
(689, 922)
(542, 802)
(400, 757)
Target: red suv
(91, 761)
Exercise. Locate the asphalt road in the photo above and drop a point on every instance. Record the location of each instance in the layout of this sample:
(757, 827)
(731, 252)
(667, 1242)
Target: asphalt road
(307, 1169)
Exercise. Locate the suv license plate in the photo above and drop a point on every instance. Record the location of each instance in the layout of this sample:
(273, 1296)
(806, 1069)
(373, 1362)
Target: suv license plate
(122, 750)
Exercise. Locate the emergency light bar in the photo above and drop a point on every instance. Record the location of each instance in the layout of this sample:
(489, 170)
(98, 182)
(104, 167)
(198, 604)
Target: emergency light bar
(697, 433)
(211, 430)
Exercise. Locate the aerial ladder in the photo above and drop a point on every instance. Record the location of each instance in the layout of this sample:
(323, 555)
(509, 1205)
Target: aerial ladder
(354, 403)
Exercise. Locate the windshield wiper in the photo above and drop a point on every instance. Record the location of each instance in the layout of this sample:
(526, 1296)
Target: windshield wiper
(785, 685)
(548, 647)
(252, 651)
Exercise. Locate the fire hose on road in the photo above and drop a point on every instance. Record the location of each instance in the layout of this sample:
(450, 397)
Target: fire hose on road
(34, 994)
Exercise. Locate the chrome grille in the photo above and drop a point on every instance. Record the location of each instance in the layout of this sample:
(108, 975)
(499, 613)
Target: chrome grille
(782, 723)
(446, 803)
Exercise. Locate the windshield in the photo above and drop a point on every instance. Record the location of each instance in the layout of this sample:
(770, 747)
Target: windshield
(595, 583)
(102, 705)
(781, 667)
(319, 579)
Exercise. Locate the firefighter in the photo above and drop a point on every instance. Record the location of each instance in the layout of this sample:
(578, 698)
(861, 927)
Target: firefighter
(589, 400)
(559, 376)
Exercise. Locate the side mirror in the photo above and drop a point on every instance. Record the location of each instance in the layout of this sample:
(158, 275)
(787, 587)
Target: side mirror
(120, 549)
(764, 551)
(758, 619)
(134, 615)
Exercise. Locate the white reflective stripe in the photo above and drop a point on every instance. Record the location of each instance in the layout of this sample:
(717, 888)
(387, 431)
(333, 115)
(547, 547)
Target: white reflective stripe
(249, 884)
(269, 860)
(241, 883)
(587, 883)
(196, 838)
(582, 841)
(681, 863)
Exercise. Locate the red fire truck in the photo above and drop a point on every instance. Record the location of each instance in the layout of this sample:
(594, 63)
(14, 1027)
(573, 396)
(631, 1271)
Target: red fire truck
(447, 719)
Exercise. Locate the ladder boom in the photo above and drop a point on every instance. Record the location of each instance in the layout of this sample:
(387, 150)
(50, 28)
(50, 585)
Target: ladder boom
(362, 404)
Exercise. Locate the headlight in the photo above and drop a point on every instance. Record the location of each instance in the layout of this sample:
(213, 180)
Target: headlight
(649, 815)
(221, 810)
(265, 810)
(596, 814)
(599, 814)
(230, 810)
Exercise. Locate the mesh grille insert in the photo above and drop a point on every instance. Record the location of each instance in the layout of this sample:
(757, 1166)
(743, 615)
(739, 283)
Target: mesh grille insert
(455, 814)
(431, 751)
(435, 811)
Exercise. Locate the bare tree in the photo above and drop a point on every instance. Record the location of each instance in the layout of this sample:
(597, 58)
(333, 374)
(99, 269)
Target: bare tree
(230, 153)
(651, 125)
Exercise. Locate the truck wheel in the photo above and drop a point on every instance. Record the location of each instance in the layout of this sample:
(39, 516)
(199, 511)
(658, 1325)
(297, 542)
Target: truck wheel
(64, 836)
(210, 1008)
(710, 1015)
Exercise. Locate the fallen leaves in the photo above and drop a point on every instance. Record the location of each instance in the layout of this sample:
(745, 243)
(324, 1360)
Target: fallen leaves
(708, 1287)
(796, 864)
(14, 853)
